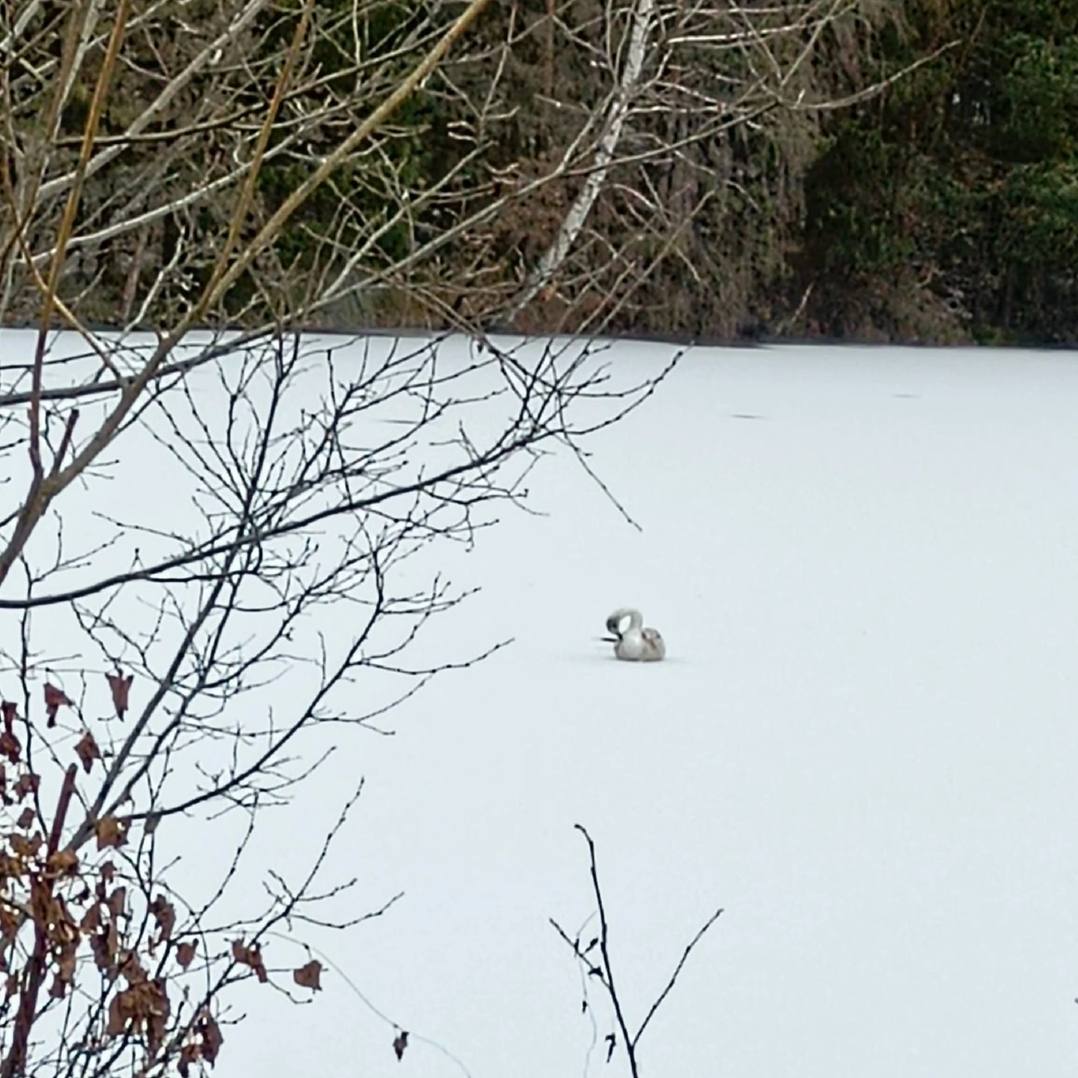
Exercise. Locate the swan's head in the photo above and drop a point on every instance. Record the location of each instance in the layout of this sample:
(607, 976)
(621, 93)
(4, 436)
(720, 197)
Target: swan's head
(614, 622)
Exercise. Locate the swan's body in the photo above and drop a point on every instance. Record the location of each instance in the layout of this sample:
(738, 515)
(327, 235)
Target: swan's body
(635, 644)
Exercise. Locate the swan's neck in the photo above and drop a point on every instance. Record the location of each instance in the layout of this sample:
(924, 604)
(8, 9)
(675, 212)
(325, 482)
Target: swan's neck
(636, 619)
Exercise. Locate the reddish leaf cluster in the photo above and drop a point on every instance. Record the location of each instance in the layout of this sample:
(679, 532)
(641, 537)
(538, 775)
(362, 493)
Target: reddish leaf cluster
(9, 743)
(142, 1008)
(25, 848)
(57, 929)
(105, 935)
(72, 908)
(24, 784)
(204, 1044)
(104, 939)
(11, 750)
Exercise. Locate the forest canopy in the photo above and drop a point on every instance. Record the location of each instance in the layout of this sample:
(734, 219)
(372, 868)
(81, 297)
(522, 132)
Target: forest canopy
(865, 170)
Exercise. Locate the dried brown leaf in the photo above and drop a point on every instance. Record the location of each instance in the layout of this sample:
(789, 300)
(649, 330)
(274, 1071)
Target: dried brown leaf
(105, 945)
(157, 1022)
(120, 1013)
(10, 922)
(119, 686)
(10, 747)
(91, 919)
(26, 817)
(309, 976)
(185, 952)
(143, 1007)
(211, 1036)
(63, 863)
(87, 751)
(400, 1042)
(23, 846)
(26, 783)
(54, 699)
(111, 831)
(132, 969)
(250, 956)
(189, 1053)
(117, 902)
(65, 968)
(165, 915)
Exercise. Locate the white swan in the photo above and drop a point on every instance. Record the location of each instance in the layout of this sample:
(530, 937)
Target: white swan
(635, 644)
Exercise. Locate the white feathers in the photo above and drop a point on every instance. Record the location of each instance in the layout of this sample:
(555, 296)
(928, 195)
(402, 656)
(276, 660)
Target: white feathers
(635, 644)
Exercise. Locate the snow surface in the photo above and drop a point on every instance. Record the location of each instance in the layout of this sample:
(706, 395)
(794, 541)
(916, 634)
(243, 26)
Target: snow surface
(863, 746)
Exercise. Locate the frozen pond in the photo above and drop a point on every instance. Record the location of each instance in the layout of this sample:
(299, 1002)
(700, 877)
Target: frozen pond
(863, 745)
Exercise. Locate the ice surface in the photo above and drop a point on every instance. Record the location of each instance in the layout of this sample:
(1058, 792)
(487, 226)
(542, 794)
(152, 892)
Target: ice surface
(863, 745)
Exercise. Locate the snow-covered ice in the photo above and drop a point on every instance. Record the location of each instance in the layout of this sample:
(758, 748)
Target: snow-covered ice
(863, 745)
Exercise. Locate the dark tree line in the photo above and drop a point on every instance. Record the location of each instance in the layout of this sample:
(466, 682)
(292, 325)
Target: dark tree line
(903, 170)
(947, 208)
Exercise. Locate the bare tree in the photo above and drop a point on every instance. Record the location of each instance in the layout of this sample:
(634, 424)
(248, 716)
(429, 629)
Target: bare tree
(303, 486)
(596, 966)
(310, 482)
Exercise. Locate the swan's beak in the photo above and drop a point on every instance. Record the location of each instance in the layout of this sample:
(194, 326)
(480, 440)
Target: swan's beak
(610, 639)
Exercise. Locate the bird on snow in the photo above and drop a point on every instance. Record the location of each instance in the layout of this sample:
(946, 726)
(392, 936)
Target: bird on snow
(634, 644)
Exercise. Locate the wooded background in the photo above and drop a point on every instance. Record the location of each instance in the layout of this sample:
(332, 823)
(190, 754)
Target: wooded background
(769, 175)
(852, 168)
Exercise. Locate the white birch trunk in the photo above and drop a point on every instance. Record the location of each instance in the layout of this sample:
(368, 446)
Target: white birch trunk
(558, 251)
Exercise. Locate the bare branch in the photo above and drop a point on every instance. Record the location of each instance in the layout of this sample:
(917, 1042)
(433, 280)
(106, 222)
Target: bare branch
(600, 968)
